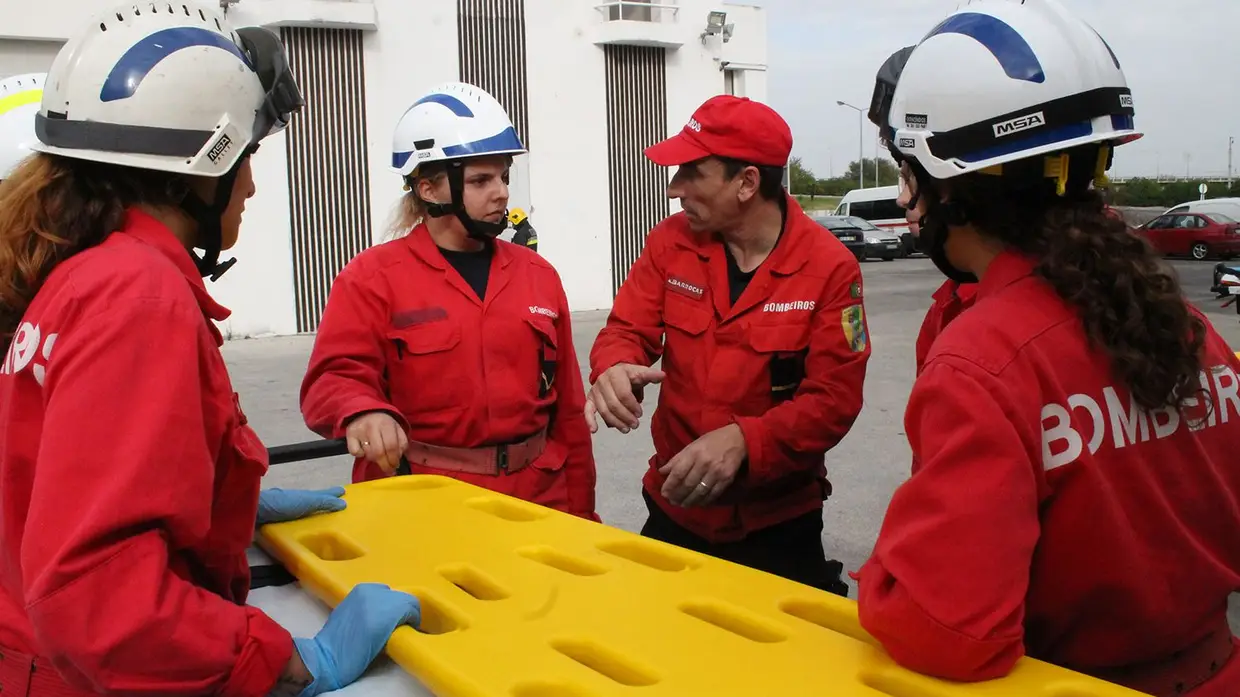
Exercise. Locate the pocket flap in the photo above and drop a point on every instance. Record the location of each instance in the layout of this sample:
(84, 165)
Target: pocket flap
(545, 328)
(779, 338)
(428, 338)
(689, 316)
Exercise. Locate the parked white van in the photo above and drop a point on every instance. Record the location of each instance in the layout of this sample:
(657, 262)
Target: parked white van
(878, 205)
(1229, 207)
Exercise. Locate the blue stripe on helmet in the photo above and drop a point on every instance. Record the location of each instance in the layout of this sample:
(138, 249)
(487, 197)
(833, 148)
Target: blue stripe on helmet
(400, 158)
(143, 56)
(457, 106)
(1008, 47)
(505, 141)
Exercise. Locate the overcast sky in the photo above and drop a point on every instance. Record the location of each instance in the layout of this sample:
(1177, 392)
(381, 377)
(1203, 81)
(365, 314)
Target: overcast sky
(1181, 58)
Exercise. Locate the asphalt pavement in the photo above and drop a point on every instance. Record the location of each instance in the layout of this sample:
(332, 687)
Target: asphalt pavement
(865, 468)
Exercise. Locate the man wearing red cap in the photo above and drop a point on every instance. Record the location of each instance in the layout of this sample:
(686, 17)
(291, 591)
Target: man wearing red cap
(757, 314)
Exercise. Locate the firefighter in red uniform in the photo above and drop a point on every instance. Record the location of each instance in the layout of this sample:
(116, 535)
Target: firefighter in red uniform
(1075, 496)
(764, 357)
(129, 478)
(448, 346)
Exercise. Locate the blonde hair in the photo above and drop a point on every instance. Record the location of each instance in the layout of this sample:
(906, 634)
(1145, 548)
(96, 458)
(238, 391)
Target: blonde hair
(410, 210)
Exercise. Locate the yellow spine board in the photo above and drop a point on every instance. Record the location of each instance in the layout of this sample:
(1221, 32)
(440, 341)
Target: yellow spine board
(523, 601)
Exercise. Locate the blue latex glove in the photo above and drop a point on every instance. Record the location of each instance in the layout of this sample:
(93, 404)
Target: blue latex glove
(280, 505)
(355, 633)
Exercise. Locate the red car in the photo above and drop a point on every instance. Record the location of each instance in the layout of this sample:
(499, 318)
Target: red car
(1197, 235)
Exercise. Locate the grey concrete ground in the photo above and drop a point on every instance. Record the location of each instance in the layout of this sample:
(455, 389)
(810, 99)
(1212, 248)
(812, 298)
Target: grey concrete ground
(864, 469)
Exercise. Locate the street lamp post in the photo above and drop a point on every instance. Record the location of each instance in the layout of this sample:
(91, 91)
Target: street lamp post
(1230, 142)
(860, 142)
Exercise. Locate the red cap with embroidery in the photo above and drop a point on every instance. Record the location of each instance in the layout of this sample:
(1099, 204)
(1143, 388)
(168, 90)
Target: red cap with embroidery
(726, 126)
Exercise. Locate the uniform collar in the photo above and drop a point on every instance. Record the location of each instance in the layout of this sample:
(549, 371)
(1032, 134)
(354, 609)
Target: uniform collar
(423, 246)
(146, 229)
(955, 290)
(785, 259)
(1004, 270)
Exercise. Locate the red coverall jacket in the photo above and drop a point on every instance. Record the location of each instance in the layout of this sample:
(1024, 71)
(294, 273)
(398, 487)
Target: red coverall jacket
(786, 363)
(404, 333)
(950, 300)
(1047, 514)
(129, 485)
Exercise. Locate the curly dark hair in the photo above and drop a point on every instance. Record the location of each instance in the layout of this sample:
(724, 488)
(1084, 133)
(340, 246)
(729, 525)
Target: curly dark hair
(53, 207)
(1129, 301)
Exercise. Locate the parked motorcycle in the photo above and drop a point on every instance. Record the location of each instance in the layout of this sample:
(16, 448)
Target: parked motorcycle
(1227, 284)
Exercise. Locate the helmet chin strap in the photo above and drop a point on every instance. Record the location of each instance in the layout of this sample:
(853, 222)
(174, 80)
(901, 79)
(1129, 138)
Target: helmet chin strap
(475, 229)
(209, 218)
(935, 226)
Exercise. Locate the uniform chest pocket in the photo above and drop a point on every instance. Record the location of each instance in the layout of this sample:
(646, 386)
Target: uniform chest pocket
(423, 366)
(690, 317)
(547, 338)
(784, 348)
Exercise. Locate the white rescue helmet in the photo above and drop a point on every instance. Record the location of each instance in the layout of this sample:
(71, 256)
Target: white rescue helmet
(169, 87)
(454, 120)
(1006, 80)
(173, 88)
(19, 102)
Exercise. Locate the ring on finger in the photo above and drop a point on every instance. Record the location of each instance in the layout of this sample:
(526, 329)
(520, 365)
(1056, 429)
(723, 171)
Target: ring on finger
(704, 485)
(365, 444)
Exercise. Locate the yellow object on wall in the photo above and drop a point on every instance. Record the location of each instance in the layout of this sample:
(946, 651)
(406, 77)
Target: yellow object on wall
(523, 601)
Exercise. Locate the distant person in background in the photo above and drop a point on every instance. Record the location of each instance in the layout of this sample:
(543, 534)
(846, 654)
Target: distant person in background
(757, 314)
(449, 347)
(523, 234)
(20, 96)
(1074, 495)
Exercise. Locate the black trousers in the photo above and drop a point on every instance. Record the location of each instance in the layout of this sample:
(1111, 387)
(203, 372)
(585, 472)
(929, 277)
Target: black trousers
(791, 549)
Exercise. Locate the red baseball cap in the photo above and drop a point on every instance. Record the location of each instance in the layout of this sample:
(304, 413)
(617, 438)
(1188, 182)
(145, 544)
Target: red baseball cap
(727, 126)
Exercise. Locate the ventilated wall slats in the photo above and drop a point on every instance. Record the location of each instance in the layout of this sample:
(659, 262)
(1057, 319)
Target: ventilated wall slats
(636, 119)
(328, 174)
(491, 40)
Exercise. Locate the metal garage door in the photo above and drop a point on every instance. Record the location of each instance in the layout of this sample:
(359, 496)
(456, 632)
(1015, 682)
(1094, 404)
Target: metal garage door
(329, 181)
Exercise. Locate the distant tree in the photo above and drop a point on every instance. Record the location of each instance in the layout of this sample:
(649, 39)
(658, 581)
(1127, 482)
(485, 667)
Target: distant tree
(802, 180)
(888, 173)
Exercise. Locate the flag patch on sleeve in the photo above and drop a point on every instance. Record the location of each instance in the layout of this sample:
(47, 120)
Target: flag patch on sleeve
(853, 321)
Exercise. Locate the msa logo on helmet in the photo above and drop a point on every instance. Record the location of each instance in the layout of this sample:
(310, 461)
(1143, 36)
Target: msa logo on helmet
(1125, 101)
(1018, 124)
(222, 146)
(907, 143)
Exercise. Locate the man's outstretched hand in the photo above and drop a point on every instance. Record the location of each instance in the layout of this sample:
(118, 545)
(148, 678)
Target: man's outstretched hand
(617, 396)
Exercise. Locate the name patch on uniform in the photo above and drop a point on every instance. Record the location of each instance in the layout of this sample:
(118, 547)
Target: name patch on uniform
(423, 315)
(536, 310)
(852, 319)
(789, 306)
(685, 288)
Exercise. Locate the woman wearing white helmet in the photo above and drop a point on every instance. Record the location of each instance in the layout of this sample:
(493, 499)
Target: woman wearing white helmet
(19, 102)
(1074, 495)
(130, 476)
(446, 346)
